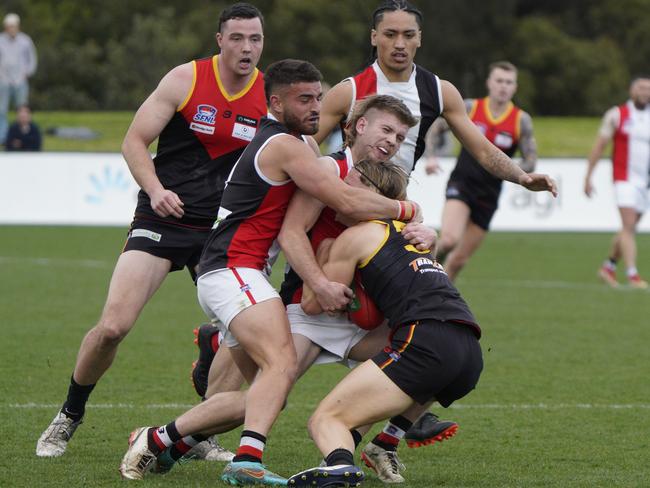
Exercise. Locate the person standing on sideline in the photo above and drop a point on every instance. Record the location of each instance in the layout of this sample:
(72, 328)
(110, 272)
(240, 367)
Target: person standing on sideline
(23, 135)
(204, 113)
(628, 125)
(17, 65)
(472, 192)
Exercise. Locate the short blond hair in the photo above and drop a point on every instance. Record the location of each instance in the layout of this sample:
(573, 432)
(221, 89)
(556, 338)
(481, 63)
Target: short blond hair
(383, 103)
(504, 65)
(386, 177)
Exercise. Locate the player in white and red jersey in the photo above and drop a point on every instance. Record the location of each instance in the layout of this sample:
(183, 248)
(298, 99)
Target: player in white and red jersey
(396, 35)
(628, 125)
(233, 287)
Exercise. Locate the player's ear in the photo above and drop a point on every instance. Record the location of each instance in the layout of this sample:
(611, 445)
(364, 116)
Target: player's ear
(219, 38)
(362, 123)
(275, 103)
(373, 38)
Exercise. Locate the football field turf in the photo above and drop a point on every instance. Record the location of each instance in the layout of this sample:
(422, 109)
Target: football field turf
(564, 399)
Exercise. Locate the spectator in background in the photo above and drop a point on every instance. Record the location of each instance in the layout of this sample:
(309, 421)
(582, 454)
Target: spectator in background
(17, 65)
(23, 135)
(628, 125)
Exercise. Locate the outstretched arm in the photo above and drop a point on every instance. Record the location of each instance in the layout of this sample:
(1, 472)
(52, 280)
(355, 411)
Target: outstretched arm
(488, 155)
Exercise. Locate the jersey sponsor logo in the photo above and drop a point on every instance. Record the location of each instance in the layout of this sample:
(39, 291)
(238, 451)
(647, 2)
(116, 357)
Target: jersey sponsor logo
(154, 236)
(205, 129)
(452, 191)
(426, 265)
(503, 139)
(242, 119)
(244, 132)
(205, 114)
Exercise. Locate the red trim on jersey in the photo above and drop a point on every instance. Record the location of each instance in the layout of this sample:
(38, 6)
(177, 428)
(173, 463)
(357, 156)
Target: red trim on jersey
(366, 83)
(243, 286)
(249, 247)
(621, 151)
(211, 117)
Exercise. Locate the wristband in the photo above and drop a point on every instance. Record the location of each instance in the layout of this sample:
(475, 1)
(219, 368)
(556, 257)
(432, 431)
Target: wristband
(402, 210)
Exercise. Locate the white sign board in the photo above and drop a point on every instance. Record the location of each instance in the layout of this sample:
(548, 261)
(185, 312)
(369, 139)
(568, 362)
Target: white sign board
(98, 189)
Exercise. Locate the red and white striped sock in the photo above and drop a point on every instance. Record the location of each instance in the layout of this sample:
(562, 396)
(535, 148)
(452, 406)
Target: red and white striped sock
(251, 447)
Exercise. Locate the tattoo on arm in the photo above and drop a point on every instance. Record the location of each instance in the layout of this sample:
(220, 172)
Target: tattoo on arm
(501, 166)
(527, 145)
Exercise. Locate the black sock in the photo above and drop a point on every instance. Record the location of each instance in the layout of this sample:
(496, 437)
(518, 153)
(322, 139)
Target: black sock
(356, 437)
(612, 261)
(75, 405)
(401, 422)
(339, 456)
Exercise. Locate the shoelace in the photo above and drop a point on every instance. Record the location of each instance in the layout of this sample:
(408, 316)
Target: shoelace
(395, 463)
(61, 427)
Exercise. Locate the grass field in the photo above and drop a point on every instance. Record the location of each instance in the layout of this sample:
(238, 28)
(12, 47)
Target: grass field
(563, 400)
(556, 136)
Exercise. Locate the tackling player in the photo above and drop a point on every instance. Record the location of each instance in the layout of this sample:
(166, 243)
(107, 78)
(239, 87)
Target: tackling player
(232, 286)
(433, 350)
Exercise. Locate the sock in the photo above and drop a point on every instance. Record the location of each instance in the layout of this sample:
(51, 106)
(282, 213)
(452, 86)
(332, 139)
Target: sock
(610, 264)
(339, 456)
(356, 437)
(251, 447)
(393, 432)
(632, 271)
(183, 446)
(75, 405)
(162, 437)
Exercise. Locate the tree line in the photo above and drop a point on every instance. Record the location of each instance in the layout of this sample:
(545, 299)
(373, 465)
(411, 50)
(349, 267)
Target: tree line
(575, 58)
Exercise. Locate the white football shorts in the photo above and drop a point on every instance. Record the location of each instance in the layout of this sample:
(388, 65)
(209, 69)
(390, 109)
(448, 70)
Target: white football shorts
(629, 195)
(224, 293)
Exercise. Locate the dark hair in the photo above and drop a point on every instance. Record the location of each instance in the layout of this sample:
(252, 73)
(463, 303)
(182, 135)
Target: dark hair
(288, 71)
(394, 6)
(384, 103)
(240, 10)
(504, 65)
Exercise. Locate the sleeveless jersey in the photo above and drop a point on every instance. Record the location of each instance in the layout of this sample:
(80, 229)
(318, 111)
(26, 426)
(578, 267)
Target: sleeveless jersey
(325, 227)
(200, 144)
(502, 131)
(631, 153)
(409, 285)
(252, 209)
(421, 94)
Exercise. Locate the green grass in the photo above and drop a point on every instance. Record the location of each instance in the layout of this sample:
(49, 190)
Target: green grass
(561, 352)
(556, 136)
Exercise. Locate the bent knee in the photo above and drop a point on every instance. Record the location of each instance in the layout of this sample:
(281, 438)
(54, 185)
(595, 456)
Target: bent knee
(111, 333)
(446, 244)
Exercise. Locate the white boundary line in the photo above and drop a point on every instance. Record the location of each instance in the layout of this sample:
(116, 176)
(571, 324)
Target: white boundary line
(469, 406)
(58, 262)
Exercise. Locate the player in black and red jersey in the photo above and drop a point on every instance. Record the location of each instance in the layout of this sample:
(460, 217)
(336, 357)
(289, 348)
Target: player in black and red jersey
(203, 113)
(233, 287)
(472, 192)
(433, 350)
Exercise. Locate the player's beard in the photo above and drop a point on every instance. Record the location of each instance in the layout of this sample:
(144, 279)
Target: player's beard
(302, 126)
